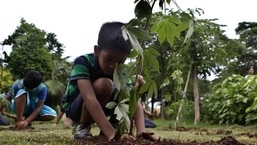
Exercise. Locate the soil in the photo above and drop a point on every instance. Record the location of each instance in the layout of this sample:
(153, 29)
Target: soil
(100, 140)
(228, 140)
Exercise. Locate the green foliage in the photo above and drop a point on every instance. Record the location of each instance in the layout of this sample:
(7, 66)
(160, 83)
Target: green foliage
(233, 101)
(53, 45)
(150, 59)
(6, 103)
(242, 51)
(140, 33)
(62, 70)
(143, 9)
(5, 80)
(32, 48)
(170, 27)
(55, 91)
(187, 113)
(23, 59)
(133, 99)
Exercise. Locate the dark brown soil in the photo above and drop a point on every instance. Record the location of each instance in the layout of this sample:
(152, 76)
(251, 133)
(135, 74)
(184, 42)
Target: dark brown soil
(228, 140)
(100, 140)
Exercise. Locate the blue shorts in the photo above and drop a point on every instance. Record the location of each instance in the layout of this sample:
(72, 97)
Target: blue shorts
(31, 106)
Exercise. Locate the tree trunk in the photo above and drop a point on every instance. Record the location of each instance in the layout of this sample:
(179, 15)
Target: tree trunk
(2, 68)
(183, 97)
(196, 96)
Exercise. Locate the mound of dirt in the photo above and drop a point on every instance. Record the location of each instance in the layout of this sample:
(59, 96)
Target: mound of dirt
(100, 140)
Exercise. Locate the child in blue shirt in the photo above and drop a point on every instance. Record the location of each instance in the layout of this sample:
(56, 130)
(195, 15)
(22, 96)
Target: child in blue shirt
(27, 98)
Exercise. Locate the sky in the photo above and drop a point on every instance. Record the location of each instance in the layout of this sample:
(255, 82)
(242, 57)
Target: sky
(76, 23)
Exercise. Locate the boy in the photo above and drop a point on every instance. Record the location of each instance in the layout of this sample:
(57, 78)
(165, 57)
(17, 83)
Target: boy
(249, 71)
(28, 96)
(91, 85)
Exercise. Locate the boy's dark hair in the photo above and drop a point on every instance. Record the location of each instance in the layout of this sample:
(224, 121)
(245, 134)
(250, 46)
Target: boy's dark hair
(32, 79)
(110, 37)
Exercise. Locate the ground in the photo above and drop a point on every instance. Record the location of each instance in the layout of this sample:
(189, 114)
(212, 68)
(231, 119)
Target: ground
(47, 134)
(227, 139)
(99, 140)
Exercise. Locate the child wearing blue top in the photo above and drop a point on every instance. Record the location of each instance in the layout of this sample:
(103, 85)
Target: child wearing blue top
(27, 98)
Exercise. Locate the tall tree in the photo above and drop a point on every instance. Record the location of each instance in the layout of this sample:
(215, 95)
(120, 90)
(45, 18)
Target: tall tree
(32, 48)
(207, 54)
(242, 51)
(248, 34)
(53, 45)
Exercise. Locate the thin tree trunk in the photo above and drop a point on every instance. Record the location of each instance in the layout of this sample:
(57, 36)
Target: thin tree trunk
(2, 68)
(183, 97)
(162, 92)
(162, 104)
(196, 97)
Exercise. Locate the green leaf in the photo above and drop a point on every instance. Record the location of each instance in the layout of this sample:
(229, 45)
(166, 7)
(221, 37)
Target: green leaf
(152, 51)
(183, 26)
(152, 90)
(142, 9)
(140, 33)
(168, 1)
(245, 100)
(124, 101)
(118, 112)
(162, 31)
(122, 128)
(120, 77)
(124, 108)
(165, 29)
(151, 59)
(133, 40)
(185, 16)
(144, 88)
(111, 105)
(165, 83)
(133, 101)
(175, 20)
(189, 31)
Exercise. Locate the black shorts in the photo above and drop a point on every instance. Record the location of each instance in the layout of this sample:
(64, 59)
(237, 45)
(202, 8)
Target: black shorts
(75, 108)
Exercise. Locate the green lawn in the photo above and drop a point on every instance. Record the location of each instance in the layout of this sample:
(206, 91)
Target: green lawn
(47, 134)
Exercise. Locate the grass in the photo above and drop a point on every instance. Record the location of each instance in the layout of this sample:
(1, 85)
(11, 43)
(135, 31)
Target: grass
(47, 134)
(206, 132)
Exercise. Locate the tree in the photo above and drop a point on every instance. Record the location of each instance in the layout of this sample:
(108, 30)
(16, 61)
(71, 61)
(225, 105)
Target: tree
(53, 45)
(248, 33)
(242, 51)
(32, 48)
(207, 54)
(62, 70)
(5, 80)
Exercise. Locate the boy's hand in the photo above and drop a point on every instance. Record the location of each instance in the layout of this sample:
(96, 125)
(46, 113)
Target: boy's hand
(21, 124)
(147, 135)
(127, 137)
(151, 116)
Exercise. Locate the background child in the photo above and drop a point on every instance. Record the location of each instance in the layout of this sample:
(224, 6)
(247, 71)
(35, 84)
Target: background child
(28, 96)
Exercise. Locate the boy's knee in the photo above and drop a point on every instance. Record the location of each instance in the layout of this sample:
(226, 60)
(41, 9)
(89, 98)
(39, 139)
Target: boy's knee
(103, 87)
